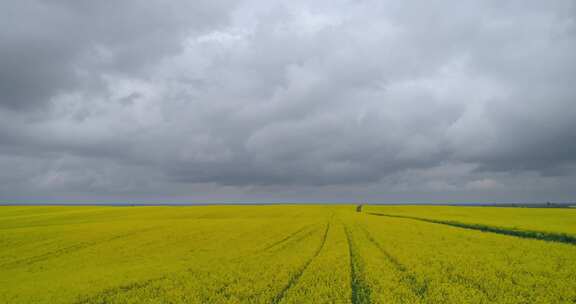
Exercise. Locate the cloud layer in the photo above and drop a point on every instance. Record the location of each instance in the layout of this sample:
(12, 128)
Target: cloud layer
(287, 100)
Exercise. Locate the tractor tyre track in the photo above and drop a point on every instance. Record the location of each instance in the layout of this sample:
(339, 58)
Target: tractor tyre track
(527, 234)
(67, 250)
(294, 279)
(360, 291)
(408, 276)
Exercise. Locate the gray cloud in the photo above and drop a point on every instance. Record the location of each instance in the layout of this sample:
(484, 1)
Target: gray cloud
(50, 47)
(287, 100)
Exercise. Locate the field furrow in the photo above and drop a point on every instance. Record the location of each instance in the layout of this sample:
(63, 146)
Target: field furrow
(360, 290)
(418, 287)
(296, 276)
(548, 220)
(68, 249)
(290, 236)
(538, 235)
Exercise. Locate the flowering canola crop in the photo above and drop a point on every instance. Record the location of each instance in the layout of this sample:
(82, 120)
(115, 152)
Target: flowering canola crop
(283, 254)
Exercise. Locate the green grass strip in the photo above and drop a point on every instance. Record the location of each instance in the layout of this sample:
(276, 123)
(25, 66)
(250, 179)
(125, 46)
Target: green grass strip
(529, 234)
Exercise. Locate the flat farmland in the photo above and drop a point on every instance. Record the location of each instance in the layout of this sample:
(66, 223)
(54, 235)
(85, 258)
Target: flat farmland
(286, 254)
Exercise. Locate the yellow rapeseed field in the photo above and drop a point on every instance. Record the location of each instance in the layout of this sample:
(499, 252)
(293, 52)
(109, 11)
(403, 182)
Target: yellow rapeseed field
(561, 220)
(284, 254)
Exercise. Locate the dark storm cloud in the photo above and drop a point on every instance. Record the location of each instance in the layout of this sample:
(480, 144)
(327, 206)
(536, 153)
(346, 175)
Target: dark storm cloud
(48, 47)
(287, 100)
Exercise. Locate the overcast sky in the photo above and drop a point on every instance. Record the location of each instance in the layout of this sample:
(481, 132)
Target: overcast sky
(287, 101)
